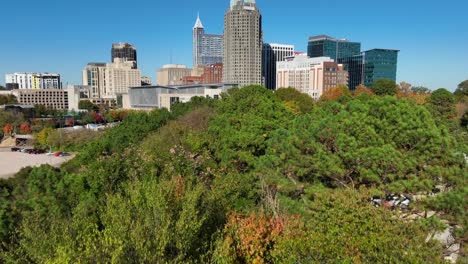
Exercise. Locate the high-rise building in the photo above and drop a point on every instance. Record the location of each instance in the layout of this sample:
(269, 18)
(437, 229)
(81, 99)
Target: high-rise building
(126, 52)
(355, 67)
(312, 76)
(243, 41)
(326, 46)
(271, 54)
(379, 64)
(109, 79)
(207, 48)
(25, 80)
(370, 66)
(172, 74)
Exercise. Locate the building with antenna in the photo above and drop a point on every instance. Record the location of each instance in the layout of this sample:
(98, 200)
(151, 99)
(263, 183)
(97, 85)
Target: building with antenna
(243, 41)
(207, 48)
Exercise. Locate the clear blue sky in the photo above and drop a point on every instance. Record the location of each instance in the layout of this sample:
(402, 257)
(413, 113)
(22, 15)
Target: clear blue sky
(63, 36)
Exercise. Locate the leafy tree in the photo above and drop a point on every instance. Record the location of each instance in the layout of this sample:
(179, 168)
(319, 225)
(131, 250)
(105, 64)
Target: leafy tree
(362, 90)
(88, 105)
(247, 118)
(8, 99)
(335, 93)
(462, 89)
(373, 142)
(384, 87)
(294, 100)
(2, 88)
(420, 90)
(442, 103)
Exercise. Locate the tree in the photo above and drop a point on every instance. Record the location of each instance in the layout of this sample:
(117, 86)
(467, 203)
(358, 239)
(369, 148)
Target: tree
(442, 102)
(295, 101)
(420, 90)
(8, 99)
(25, 128)
(335, 93)
(88, 105)
(405, 87)
(384, 87)
(361, 90)
(462, 91)
(2, 88)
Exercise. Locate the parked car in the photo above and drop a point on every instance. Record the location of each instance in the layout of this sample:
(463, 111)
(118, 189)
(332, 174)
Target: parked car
(58, 154)
(15, 150)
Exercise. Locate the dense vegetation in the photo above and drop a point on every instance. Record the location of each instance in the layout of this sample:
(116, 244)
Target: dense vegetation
(257, 177)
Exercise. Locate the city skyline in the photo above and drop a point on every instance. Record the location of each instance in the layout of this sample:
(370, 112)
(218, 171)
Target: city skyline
(431, 38)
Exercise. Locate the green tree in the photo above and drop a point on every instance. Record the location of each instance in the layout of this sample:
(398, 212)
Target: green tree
(2, 88)
(385, 87)
(88, 105)
(462, 90)
(293, 99)
(442, 103)
(420, 90)
(8, 99)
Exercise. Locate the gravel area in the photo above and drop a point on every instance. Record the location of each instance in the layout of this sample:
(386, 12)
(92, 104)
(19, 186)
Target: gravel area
(13, 162)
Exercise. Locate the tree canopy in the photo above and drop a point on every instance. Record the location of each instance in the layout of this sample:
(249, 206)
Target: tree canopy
(244, 179)
(384, 87)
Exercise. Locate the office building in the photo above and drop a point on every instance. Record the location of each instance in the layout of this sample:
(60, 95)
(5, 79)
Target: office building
(370, 66)
(326, 46)
(108, 79)
(271, 54)
(59, 99)
(379, 64)
(312, 76)
(354, 65)
(25, 80)
(172, 74)
(126, 52)
(206, 74)
(207, 48)
(243, 41)
(156, 97)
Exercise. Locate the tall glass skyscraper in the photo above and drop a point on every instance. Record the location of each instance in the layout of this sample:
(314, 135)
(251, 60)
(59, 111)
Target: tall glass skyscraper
(379, 64)
(207, 48)
(326, 46)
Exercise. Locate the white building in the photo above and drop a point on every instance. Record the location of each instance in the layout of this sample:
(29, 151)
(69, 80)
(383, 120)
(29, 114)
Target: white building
(59, 99)
(155, 97)
(25, 80)
(309, 75)
(109, 79)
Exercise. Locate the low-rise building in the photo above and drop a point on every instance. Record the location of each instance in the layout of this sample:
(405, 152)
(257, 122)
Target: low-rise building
(59, 99)
(156, 97)
(312, 76)
(172, 74)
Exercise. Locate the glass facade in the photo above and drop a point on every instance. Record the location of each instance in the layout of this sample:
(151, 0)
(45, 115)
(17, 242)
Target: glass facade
(379, 64)
(355, 67)
(333, 48)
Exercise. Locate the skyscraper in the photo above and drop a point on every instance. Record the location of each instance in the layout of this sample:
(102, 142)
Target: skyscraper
(271, 54)
(207, 48)
(379, 64)
(243, 41)
(326, 46)
(125, 51)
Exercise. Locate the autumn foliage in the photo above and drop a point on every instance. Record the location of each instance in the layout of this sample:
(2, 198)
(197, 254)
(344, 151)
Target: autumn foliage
(251, 238)
(25, 128)
(335, 93)
(8, 129)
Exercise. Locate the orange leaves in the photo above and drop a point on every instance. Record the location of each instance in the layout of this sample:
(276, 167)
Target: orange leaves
(253, 237)
(362, 89)
(25, 128)
(335, 93)
(8, 129)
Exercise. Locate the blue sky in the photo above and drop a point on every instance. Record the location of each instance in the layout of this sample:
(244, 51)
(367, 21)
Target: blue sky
(63, 36)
